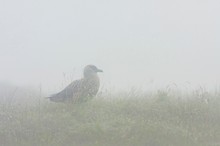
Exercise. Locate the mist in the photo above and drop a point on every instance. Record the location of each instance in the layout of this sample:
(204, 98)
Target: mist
(143, 44)
(160, 84)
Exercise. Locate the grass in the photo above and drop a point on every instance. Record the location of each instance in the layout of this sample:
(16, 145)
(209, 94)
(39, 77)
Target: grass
(142, 120)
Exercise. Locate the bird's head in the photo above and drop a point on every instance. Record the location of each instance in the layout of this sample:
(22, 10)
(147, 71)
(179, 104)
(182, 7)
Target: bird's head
(91, 70)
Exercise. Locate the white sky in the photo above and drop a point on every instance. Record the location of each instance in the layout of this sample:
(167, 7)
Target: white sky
(137, 43)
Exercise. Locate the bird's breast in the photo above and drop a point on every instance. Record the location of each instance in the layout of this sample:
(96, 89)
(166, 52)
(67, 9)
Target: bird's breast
(92, 86)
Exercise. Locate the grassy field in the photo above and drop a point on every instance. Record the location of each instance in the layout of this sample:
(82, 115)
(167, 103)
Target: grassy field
(159, 119)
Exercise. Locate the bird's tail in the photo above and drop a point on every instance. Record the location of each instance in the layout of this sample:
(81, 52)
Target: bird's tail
(55, 98)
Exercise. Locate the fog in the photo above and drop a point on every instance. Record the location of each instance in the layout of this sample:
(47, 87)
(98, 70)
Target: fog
(142, 44)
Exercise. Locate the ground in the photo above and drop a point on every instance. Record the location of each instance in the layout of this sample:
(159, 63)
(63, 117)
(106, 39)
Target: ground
(123, 120)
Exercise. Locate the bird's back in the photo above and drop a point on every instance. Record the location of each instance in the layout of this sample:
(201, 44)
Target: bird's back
(79, 90)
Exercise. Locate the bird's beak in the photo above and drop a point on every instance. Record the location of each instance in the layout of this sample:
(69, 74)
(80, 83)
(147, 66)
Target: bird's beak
(99, 70)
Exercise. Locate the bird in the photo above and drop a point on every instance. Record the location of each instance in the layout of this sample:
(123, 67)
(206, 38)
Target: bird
(82, 89)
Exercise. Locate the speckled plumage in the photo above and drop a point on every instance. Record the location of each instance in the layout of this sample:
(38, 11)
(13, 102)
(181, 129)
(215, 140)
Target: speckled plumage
(80, 90)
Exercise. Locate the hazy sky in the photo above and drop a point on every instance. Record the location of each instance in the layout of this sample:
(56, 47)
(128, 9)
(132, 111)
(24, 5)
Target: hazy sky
(136, 42)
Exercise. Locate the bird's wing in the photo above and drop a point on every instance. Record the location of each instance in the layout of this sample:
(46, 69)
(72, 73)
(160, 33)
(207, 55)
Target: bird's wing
(67, 93)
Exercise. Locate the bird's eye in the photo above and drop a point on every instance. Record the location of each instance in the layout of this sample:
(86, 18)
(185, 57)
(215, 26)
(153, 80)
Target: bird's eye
(93, 67)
